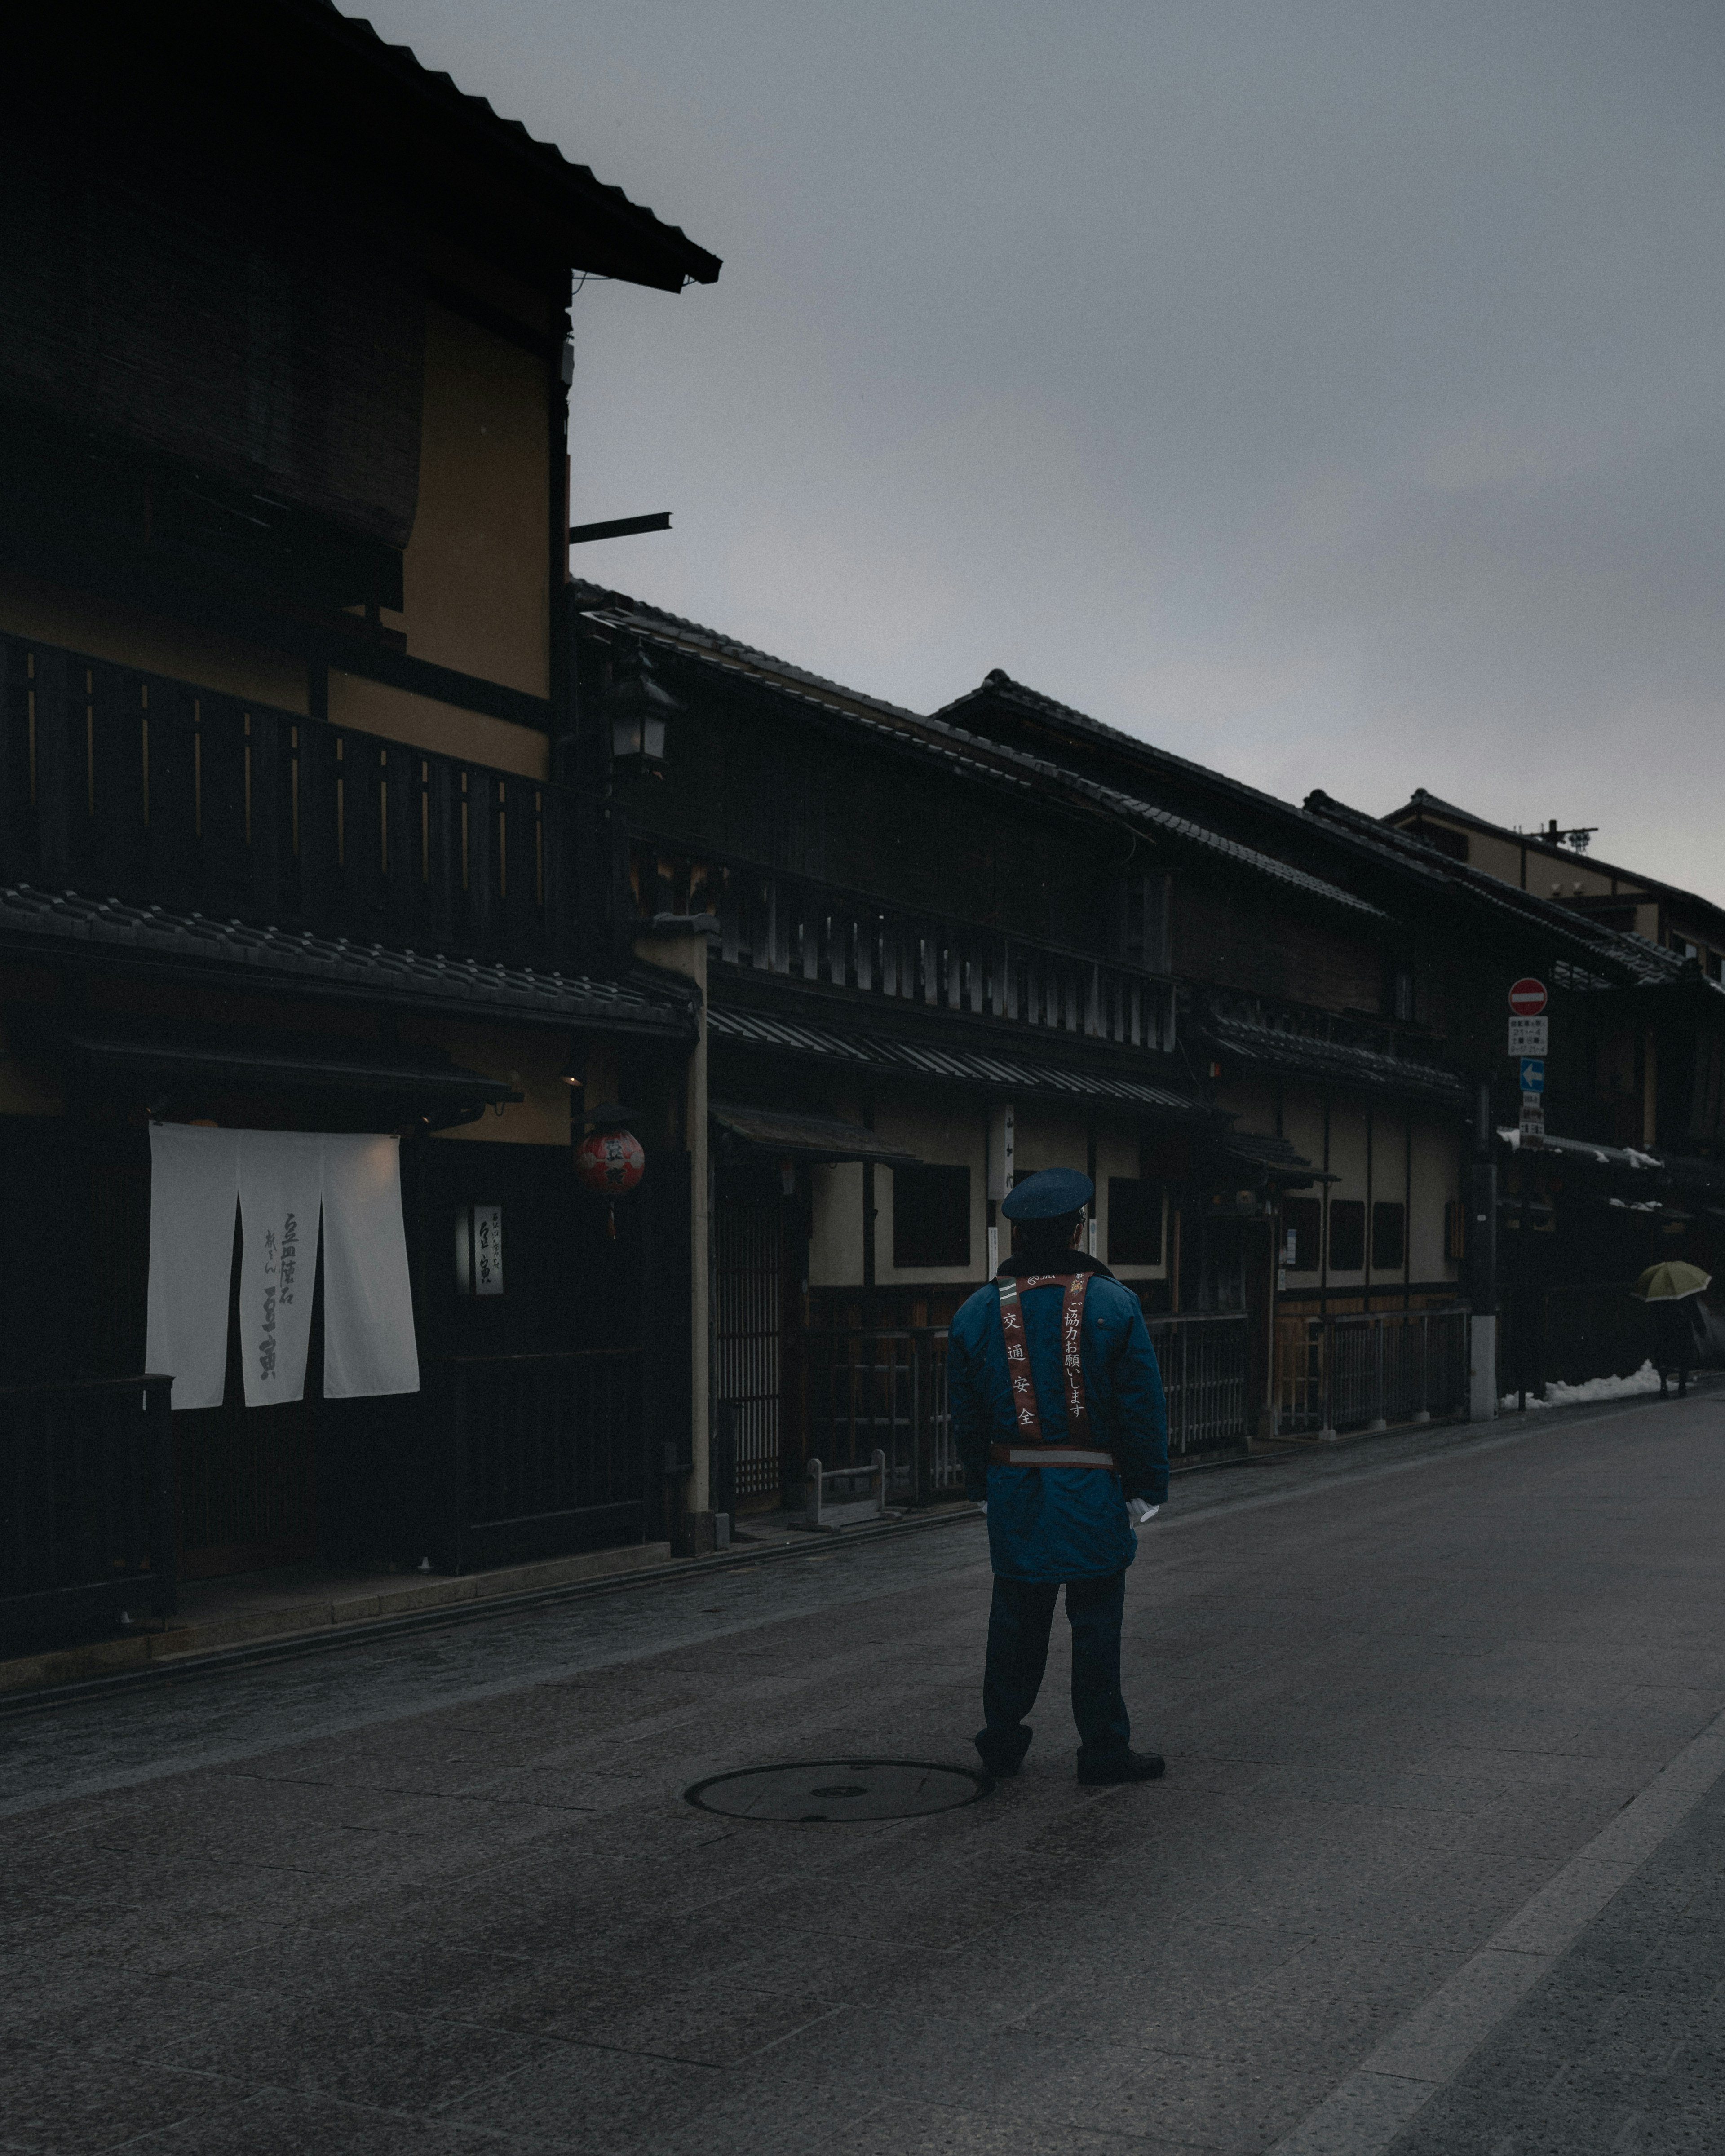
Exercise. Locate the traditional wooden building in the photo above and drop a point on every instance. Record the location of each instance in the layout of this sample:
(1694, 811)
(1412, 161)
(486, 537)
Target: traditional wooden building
(1633, 1167)
(1561, 864)
(294, 834)
(1263, 1028)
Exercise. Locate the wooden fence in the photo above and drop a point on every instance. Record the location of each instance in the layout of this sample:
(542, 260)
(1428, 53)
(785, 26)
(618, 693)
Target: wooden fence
(87, 1527)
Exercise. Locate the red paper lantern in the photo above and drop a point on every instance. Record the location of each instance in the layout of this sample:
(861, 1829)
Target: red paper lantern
(610, 1161)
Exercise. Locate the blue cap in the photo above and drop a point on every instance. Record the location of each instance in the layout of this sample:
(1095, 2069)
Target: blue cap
(1048, 1194)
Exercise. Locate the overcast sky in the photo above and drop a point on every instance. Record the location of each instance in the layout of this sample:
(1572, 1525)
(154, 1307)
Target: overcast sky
(1331, 393)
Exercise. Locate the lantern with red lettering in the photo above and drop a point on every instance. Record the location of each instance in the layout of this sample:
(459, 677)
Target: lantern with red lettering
(609, 1161)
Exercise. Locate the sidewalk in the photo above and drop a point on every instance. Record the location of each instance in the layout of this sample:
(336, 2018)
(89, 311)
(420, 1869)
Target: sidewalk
(254, 1607)
(308, 1603)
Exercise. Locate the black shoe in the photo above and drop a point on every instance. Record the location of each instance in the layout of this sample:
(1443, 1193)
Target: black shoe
(1128, 1767)
(998, 1765)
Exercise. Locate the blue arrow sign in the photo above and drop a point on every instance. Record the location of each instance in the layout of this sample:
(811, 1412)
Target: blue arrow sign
(1532, 1074)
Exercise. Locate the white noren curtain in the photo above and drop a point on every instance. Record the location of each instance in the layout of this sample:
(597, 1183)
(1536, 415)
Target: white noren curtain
(281, 1180)
(194, 1185)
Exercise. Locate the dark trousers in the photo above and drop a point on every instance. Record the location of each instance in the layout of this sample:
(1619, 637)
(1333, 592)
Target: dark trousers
(1019, 1625)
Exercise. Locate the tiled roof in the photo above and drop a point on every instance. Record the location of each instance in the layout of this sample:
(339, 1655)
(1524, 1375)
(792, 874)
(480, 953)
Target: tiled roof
(1280, 1161)
(1619, 956)
(1007, 1072)
(1542, 843)
(999, 684)
(1337, 1062)
(809, 1138)
(951, 745)
(42, 921)
(573, 186)
(1357, 832)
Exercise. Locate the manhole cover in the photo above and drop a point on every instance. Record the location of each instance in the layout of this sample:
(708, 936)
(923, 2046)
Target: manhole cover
(827, 1791)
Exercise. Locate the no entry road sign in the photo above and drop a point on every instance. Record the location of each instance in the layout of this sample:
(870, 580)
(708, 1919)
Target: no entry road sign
(1526, 998)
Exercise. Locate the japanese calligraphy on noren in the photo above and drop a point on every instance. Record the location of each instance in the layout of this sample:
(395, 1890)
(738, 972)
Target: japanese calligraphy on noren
(281, 1269)
(272, 1283)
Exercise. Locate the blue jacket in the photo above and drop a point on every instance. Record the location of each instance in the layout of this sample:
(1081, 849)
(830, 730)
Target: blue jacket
(1061, 1522)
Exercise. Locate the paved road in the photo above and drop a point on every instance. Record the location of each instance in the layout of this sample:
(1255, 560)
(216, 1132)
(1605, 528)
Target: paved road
(1440, 1716)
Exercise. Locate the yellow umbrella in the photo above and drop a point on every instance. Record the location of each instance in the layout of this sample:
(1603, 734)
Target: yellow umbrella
(1671, 1281)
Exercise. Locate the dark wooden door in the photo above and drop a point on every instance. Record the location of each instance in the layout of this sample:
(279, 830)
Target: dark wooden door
(748, 1341)
(248, 1475)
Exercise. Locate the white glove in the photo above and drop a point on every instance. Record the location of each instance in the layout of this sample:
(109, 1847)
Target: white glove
(982, 1504)
(1138, 1510)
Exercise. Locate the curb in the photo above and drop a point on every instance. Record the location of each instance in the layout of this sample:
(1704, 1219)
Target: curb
(455, 1608)
(330, 1638)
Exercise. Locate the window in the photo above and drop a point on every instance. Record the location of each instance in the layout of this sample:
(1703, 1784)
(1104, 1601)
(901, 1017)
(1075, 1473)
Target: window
(1134, 1222)
(1347, 1234)
(1142, 933)
(1454, 1231)
(1389, 1237)
(1303, 1221)
(931, 1216)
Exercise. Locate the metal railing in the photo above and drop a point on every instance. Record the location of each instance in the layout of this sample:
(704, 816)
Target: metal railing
(1365, 1370)
(87, 1528)
(541, 1456)
(882, 1390)
(815, 933)
(887, 1390)
(1204, 1364)
(132, 786)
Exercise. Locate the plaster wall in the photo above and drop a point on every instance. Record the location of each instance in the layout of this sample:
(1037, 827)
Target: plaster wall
(835, 1244)
(943, 1136)
(1117, 1154)
(529, 1062)
(1046, 1140)
(476, 574)
(1437, 1182)
(421, 722)
(132, 636)
(1390, 1163)
(1347, 1161)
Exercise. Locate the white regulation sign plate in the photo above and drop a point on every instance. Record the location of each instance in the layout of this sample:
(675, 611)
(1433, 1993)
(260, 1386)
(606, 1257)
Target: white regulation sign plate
(1527, 1035)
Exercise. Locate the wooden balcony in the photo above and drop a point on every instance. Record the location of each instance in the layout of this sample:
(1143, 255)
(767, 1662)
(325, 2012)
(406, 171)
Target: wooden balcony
(774, 925)
(118, 783)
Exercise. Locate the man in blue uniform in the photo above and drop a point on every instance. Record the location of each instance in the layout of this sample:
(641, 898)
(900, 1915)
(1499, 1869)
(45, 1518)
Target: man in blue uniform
(1058, 1416)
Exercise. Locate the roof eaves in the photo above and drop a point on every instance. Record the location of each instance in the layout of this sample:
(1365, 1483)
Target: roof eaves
(1538, 842)
(1275, 1048)
(966, 751)
(1628, 955)
(575, 185)
(1001, 686)
(972, 1066)
(43, 920)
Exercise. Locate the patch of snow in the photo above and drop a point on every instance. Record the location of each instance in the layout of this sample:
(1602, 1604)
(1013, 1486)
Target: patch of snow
(1560, 1395)
(1642, 1159)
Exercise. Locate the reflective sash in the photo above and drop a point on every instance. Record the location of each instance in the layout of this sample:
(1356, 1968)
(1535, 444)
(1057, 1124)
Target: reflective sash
(1033, 1451)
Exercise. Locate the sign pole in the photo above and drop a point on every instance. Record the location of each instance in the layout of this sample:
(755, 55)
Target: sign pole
(1529, 1028)
(1480, 1243)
